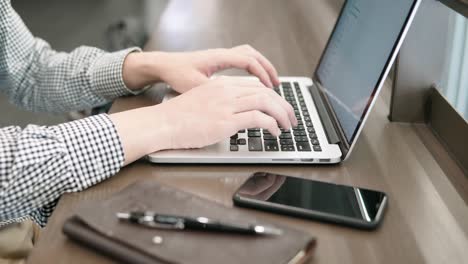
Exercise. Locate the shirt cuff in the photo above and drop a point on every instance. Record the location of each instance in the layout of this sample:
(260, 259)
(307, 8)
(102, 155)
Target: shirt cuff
(94, 148)
(107, 74)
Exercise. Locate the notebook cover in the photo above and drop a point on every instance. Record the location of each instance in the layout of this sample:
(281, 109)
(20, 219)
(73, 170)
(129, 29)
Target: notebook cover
(96, 226)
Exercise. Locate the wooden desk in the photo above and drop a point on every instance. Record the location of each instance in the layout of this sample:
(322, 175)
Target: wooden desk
(427, 219)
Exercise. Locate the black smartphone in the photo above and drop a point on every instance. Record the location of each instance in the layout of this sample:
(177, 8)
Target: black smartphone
(339, 204)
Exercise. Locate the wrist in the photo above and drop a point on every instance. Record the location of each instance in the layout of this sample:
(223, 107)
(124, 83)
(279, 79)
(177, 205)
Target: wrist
(141, 69)
(142, 131)
(161, 132)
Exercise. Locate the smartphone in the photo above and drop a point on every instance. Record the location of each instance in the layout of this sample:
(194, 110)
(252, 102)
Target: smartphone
(339, 204)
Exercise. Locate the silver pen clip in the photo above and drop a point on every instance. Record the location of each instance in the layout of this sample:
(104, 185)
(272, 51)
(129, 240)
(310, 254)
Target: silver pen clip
(150, 221)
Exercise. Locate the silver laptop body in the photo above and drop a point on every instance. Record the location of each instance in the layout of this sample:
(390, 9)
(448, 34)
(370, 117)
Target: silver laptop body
(333, 106)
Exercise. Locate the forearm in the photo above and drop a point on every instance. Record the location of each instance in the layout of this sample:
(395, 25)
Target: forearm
(61, 82)
(39, 164)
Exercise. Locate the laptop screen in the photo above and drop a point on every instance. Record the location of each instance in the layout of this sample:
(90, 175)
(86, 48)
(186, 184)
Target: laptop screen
(357, 56)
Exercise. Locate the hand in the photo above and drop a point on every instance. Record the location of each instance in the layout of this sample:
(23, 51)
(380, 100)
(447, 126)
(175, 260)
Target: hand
(202, 116)
(183, 71)
(220, 108)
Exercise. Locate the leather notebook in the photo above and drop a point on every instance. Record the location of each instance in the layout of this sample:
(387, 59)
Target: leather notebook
(96, 226)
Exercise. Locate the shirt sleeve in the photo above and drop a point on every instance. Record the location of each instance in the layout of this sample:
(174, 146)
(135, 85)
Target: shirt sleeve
(39, 164)
(37, 78)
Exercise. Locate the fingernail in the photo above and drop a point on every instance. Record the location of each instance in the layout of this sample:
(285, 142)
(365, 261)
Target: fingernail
(278, 132)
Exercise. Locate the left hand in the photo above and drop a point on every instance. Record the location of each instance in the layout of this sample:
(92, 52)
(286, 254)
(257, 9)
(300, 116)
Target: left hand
(185, 70)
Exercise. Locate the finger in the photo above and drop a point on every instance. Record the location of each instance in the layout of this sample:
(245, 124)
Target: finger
(235, 59)
(254, 67)
(263, 102)
(249, 91)
(268, 66)
(287, 106)
(256, 119)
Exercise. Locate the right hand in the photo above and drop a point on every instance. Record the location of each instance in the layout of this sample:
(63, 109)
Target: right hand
(218, 109)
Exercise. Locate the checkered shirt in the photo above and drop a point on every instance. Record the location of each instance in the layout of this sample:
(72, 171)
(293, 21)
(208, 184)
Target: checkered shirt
(40, 163)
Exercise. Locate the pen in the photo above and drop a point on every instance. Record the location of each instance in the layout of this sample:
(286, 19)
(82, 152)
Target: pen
(163, 221)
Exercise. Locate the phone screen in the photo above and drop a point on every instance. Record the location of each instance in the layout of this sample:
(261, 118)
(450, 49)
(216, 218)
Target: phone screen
(341, 200)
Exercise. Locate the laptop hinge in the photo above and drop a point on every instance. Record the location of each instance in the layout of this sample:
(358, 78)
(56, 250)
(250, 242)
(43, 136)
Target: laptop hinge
(330, 131)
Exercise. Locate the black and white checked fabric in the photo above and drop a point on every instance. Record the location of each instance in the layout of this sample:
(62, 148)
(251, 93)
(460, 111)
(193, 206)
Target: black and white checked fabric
(38, 164)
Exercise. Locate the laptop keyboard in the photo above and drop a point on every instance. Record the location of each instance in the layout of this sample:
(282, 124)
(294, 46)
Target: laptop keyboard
(300, 138)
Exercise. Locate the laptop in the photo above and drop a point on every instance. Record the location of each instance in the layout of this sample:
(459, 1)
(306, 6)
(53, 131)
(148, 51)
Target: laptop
(333, 105)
